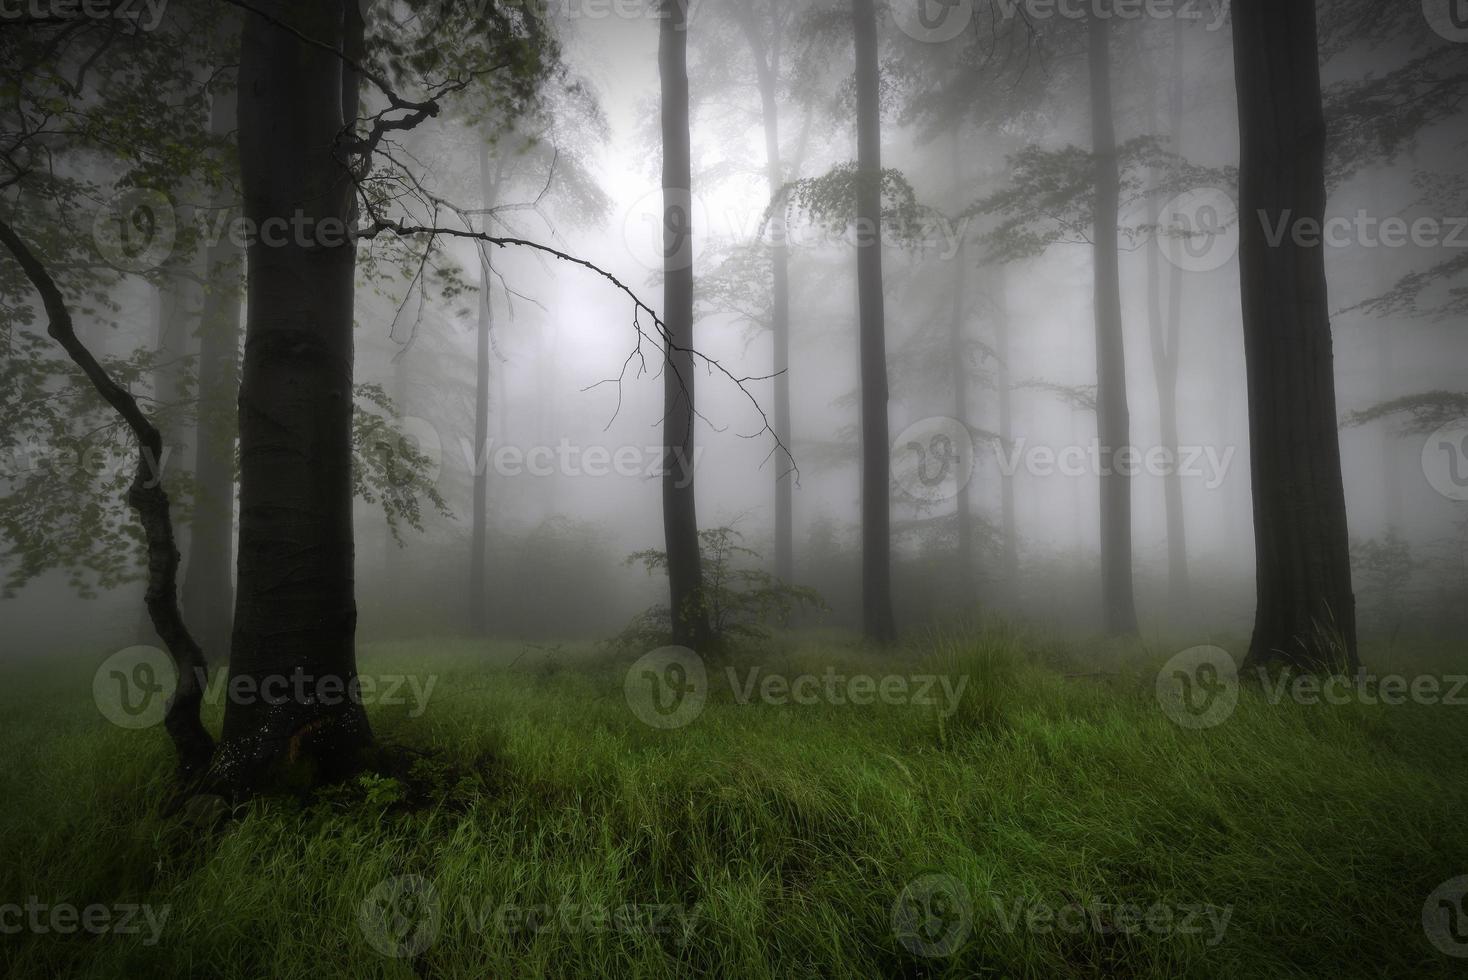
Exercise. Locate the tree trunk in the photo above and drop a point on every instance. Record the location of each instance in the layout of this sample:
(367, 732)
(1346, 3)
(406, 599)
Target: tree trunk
(178, 303)
(192, 743)
(767, 70)
(1166, 333)
(1004, 380)
(478, 590)
(1306, 615)
(878, 622)
(1113, 422)
(208, 589)
(295, 612)
(689, 613)
(958, 366)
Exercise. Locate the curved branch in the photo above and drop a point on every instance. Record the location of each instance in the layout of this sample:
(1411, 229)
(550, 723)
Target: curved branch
(146, 496)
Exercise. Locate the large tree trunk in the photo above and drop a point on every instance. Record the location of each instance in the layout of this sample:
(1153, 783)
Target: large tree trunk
(296, 613)
(1166, 334)
(1306, 610)
(1113, 421)
(690, 619)
(208, 589)
(478, 589)
(878, 623)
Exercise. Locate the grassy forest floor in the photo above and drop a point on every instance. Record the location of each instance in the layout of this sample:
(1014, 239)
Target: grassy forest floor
(1057, 824)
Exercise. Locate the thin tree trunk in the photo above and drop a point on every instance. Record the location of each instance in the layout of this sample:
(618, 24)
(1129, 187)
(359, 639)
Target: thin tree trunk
(478, 590)
(688, 610)
(146, 495)
(1306, 613)
(878, 622)
(1005, 383)
(767, 71)
(208, 589)
(959, 368)
(1165, 334)
(1113, 421)
(296, 612)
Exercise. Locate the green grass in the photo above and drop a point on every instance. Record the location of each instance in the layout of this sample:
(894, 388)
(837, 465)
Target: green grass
(784, 834)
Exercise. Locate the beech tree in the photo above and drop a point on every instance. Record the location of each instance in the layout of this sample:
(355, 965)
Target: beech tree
(1306, 613)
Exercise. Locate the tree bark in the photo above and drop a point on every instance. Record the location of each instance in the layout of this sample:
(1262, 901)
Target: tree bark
(1113, 419)
(959, 376)
(208, 589)
(478, 589)
(1004, 380)
(1306, 616)
(767, 72)
(1166, 333)
(192, 743)
(878, 623)
(295, 612)
(689, 613)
